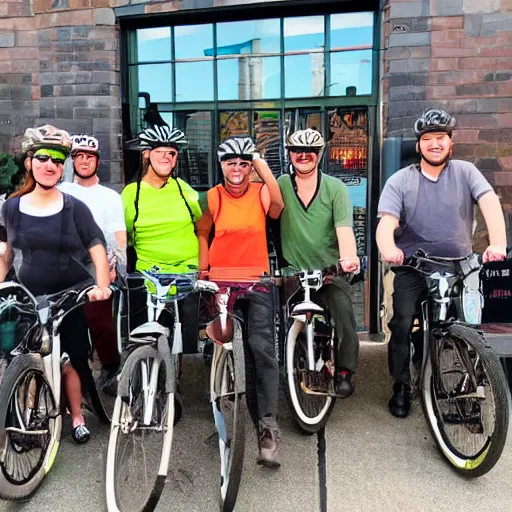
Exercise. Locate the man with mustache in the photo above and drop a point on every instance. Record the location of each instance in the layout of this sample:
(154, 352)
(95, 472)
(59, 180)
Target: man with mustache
(238, 209)
(316, 233)
(429, 206)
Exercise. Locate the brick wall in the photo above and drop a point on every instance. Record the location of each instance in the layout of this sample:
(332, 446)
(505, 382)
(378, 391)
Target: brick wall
(60, 65)
(454, 54)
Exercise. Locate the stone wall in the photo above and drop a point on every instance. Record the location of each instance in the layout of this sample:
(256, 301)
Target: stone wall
(454, 54)
(60, 65)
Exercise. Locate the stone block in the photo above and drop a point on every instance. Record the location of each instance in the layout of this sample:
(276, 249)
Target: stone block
(446, 7)
(406, 9)
(74, 126)
(60, 4)
(7, 39)
(410, 39)
(103, 16)
(27, 38)
(47, 91)
(501, 135)
(474, 6)
(494, 23)
(112, 125)
(91, 113)
(487, 164)
(407, 93)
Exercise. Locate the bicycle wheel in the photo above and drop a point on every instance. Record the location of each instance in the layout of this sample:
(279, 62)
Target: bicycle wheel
(229, 412)
(140, 440)
(310, 411)
(466, 406)
(30, 427)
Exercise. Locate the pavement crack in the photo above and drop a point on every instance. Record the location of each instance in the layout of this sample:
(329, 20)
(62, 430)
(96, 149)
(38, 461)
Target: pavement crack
(322, 469)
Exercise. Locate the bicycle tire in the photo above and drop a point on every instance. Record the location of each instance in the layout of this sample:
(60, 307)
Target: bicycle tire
(307, 424)
(150, 500)
(19, 368)
(234, 447)
(482, 462)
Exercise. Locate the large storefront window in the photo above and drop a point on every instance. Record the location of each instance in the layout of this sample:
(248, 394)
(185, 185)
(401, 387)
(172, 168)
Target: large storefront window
(264, 78)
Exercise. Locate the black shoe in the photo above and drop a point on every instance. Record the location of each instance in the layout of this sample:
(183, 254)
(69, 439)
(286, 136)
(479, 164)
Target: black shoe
(344, 384)
(400, 403)
(80, 434)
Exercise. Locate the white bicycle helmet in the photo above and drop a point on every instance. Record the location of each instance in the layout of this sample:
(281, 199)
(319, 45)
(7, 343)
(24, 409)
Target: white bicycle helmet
(158, 136)
(434, 121)
(46, 136)
(85, 143)
(306, 139)
(241, 147)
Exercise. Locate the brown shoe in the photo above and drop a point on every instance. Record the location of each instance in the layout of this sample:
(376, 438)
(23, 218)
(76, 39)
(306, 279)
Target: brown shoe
(269, 448)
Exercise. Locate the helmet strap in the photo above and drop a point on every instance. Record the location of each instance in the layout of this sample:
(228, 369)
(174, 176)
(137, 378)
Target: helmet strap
(434, 164)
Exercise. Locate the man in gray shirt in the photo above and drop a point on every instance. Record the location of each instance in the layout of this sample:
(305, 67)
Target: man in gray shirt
(429, 206)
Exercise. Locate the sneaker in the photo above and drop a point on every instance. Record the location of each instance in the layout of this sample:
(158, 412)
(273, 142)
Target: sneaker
(269, 446)
(400, 403)
(344, 384)
(80, 434)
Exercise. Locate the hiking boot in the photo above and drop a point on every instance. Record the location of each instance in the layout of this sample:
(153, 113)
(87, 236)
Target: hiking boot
(269, 446)
(344, 384)
(400, 403)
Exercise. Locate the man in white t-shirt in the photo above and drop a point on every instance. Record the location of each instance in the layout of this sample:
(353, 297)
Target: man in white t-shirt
(108, 212)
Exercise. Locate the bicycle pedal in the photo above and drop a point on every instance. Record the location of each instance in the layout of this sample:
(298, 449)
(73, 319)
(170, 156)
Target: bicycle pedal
(314, 382)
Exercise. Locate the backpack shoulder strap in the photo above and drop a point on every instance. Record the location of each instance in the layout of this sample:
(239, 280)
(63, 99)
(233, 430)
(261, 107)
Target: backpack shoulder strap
(214, 202)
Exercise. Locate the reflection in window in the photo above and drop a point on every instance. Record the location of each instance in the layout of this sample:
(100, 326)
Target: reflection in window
(304, 75)
(267, 136)
(194, 81)
(233, 123)
(351, 73)
(155, 80)
(192, 41)
(258, 36)
(351, 29)
(304, 33)
(194, 164)
(249, 78)
(153, 44)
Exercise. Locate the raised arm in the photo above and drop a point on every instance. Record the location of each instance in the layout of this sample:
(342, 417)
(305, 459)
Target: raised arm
(271, 197)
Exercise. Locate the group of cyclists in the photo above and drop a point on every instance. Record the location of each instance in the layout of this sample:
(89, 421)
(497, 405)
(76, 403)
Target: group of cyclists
(55, 232)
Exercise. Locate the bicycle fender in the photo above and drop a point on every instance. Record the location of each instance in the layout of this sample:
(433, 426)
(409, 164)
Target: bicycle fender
(151, 328)
(168, 359)
(239, 357)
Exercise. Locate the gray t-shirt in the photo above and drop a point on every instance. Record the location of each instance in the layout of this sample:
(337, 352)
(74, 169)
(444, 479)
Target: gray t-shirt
(436, 216)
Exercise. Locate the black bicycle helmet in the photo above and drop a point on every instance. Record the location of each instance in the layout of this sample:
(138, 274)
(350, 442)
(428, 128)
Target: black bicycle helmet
(434, 121)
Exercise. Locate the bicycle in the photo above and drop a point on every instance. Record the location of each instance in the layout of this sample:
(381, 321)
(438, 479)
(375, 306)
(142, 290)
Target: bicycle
(141, 433)
(464, 392)
(31, 407)
(310, 351)
(232, 380)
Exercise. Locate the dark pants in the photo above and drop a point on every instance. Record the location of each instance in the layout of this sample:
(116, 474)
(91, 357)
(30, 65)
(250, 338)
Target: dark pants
(189, 317)
(263, 393)
(336, 298)
(409, 291)
(74, 341)
(103, 332)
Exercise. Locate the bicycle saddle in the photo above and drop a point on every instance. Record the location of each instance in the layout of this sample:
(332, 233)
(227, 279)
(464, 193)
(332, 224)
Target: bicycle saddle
(306, 307)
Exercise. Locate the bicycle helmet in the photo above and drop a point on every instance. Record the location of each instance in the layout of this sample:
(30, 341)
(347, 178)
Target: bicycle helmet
(309, 138)
(85, 143)
(434, 121)
(46, 136)
(241, 147)
(157, 136)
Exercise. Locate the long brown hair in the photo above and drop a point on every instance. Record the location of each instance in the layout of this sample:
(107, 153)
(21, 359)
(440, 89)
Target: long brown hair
(29, 183)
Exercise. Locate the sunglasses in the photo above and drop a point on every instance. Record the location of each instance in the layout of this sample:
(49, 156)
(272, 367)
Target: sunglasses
(45, 158)
(304, 150)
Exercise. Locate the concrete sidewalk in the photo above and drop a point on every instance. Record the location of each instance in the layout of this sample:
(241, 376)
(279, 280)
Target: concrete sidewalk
(375, 463)
(378, 463)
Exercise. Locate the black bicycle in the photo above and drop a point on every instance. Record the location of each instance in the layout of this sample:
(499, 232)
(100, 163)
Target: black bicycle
(464, 392)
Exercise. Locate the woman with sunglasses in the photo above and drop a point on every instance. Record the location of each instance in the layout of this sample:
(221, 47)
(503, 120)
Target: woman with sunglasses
(52, 239)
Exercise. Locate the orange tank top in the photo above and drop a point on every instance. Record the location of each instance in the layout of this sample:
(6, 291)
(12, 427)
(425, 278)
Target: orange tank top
(239, 249)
